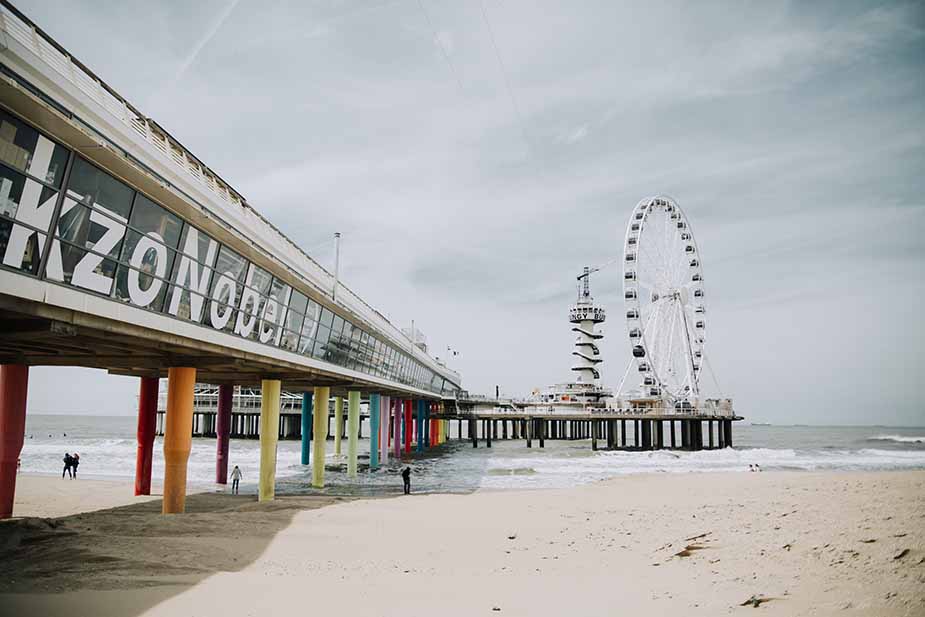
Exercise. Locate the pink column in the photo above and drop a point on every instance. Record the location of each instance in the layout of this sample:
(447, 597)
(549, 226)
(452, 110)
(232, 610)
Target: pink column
(396, 417)
(222, 432)
(147, 427)
(14, 383)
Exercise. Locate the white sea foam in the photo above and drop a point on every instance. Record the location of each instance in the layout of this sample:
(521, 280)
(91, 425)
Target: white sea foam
(899, 438)
(108, 448)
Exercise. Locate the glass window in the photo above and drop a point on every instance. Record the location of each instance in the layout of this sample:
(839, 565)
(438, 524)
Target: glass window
(321, 342)
(90, 271)
(298, 303)
(148, 217)
(225, 289)
(86, 228)
(97, 189)
(327, 317)
(18, 191)
(338, 325)
(294, 316)
(25, 149)
(309, 327)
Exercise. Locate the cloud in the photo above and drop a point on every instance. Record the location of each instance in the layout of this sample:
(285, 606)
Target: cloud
(791, 134)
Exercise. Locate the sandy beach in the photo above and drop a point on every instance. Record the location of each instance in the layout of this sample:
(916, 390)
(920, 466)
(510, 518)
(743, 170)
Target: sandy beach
(658, 544)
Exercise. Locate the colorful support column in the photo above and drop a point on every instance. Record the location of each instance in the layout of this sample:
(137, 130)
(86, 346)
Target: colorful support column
(353, 428)
(14, 384)
(269, 437)
(419, 422)
(374, 431)
(409, 429)
(384, 408)
(338, 423)
(306, 426)
(178, 436)
(223, 432)
(320, 434)
(397, 413)
(147, 427)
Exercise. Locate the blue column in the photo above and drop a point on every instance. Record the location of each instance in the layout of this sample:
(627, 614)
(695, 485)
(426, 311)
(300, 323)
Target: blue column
(307, 399)
(373, 431)
(420, 420)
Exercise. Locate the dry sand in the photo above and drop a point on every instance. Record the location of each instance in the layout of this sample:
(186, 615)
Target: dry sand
(51, 496)
(685, 544)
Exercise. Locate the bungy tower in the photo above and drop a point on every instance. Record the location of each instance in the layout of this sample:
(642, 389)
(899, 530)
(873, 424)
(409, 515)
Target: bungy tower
(585, 315)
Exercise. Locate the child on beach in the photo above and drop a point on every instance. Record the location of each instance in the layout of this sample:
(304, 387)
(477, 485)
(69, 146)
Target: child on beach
(235, 479)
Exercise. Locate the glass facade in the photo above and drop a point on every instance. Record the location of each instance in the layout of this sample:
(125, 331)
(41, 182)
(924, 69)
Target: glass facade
(111, 240)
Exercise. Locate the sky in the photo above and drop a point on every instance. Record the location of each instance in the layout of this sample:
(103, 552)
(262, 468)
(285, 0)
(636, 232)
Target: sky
(476, 155)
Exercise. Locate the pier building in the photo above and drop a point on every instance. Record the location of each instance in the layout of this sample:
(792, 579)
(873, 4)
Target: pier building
(122, 250)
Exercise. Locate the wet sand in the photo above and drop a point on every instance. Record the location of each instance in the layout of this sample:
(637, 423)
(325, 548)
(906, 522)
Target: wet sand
(798, 543)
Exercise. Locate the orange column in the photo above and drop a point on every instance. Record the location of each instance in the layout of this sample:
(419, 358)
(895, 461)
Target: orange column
(178, 437)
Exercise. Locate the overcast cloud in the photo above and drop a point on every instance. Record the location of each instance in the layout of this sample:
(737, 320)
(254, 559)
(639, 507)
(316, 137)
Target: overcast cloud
(471, 191)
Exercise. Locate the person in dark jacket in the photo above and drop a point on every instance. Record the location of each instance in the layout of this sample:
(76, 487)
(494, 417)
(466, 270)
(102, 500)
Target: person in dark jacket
(406, 479)
(68, 463)
(75, 461)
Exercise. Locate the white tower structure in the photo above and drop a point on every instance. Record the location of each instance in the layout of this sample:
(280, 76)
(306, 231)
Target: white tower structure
(585, 315)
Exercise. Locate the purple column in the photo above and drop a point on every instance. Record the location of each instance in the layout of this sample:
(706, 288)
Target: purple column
(222, 431)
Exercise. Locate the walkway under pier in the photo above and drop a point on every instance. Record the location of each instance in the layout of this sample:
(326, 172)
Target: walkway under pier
(636, 431)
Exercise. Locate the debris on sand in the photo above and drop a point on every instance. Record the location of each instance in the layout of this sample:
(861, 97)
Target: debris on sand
(869, 540)
(689, 550)
(756, 601)
(697, 537)
(901, 554)
(512, 537)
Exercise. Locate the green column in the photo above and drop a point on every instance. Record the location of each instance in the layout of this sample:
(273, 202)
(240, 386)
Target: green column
(338, 423)
(353, 429)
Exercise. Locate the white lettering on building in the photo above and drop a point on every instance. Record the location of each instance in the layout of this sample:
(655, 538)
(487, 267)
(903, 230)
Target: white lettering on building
(150, 243)
(190, 275)
(85, 274)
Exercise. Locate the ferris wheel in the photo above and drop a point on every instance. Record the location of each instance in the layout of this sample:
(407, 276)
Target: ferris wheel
(664, 296)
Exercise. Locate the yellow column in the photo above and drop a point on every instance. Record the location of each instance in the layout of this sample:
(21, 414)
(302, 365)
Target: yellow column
(178, 437)
(269, 436)
(338, 422)
(319, 434)
(353, 427)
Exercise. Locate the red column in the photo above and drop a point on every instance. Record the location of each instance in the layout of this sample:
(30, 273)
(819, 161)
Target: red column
(14, 382)
(147, 427)
(409, 427)
(223, 430)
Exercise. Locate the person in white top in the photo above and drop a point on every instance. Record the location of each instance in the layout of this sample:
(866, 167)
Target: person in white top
(235, 479)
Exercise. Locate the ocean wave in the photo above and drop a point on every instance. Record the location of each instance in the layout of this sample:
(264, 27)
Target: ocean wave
(898, 438)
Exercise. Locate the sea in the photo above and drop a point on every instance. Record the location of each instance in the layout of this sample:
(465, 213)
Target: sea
(107, 449)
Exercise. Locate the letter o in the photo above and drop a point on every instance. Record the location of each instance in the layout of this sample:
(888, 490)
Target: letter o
(149, 242)
(220, 319)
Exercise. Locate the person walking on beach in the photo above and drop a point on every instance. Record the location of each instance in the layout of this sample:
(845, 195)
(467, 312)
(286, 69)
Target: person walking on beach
(75, 461)
(235, 479)
(406, 479)
(68, 464)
